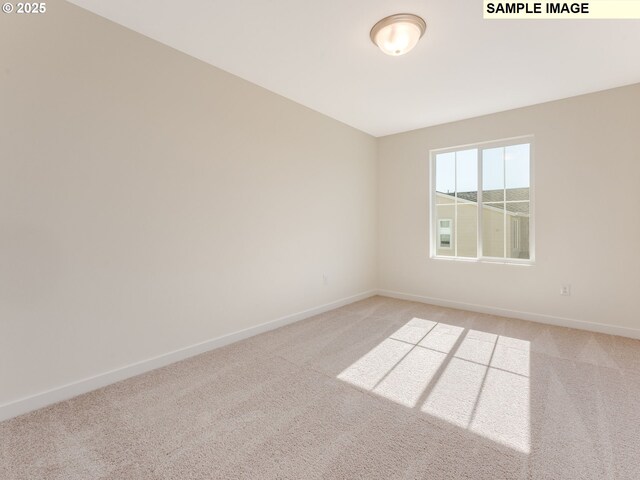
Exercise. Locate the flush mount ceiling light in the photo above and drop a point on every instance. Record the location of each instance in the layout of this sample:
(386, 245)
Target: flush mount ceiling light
(398, 34)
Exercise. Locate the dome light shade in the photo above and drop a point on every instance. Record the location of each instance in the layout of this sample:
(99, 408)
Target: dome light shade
(398, 34)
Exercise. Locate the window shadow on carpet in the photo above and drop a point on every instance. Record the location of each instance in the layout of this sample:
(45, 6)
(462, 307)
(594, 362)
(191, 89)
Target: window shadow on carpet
(475, 380)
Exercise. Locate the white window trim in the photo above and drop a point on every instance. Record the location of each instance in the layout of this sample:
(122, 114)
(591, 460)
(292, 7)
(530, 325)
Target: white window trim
(433, 241)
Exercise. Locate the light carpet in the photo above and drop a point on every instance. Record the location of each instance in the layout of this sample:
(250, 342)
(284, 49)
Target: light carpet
(380, 389)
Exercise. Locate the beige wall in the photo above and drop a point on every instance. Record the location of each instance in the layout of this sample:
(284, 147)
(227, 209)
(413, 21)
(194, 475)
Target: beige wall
(586, 149)
(149, 202)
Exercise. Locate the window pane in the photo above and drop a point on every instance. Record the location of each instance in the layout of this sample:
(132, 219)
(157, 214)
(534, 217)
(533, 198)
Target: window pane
(493, 174)
(493, 230)
(445, 199)
(467, 229)
(518, 208)
(518, 230)
(467, 173)
(445, 177)
(517, 179)
(445, 230)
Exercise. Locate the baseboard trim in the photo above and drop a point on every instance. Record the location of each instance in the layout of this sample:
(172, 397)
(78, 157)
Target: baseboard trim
(503, 312)
(65, 392)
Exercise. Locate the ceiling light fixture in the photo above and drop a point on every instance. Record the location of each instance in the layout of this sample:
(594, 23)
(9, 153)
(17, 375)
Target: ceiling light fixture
(398, 34)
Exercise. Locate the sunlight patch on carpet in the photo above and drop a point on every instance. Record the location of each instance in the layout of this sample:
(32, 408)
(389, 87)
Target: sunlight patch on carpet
(475, 380)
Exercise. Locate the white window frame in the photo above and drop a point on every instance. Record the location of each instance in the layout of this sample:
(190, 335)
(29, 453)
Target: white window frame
(433, 225)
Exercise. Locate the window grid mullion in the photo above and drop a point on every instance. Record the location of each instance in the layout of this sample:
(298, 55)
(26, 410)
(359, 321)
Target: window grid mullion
(504, 202)
(479, 206)
(455, 204)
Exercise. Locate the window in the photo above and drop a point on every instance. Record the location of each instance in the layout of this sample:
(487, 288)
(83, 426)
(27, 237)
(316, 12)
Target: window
(481, 202)
(444, 233)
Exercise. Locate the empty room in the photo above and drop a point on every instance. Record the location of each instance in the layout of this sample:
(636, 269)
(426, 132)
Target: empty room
(319, 240)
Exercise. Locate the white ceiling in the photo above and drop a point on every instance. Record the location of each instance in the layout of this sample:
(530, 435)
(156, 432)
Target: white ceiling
(318, 53)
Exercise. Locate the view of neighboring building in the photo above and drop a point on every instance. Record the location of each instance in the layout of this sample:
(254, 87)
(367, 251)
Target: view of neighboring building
(505, 223)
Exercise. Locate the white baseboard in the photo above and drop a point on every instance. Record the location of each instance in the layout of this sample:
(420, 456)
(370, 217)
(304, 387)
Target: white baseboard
(49, 397)
(503, 312)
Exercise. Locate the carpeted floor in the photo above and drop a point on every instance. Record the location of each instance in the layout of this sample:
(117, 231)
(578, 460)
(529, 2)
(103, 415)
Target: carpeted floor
(381, 388)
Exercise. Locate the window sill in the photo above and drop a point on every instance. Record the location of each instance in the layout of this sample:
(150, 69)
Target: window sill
(498, 261)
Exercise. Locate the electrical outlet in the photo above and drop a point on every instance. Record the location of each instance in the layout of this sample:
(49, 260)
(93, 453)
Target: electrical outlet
(565, 290)
(325, 279)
